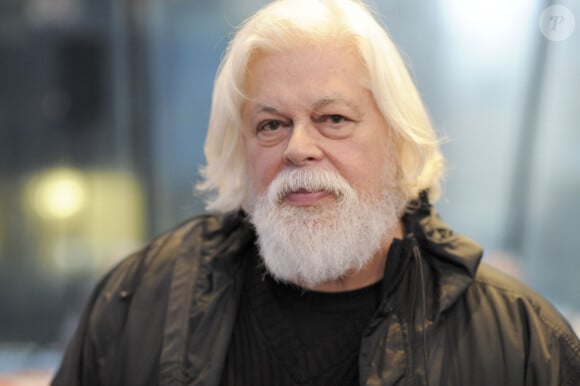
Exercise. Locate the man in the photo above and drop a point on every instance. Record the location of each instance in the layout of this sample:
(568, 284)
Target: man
(327, 264)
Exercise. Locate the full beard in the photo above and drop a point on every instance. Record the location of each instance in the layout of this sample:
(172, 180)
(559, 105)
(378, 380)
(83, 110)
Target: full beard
(311, 245)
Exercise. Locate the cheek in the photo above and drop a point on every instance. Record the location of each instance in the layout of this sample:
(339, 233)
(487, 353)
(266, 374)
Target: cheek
(364, 165)
(381, 169)
(263, 166)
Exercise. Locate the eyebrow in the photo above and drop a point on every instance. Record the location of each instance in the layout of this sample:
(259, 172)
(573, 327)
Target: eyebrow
(320, 103)
(326, 101)
(266, 109)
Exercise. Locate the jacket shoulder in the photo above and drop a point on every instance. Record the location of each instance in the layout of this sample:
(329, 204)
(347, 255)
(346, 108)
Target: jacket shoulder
(205, 232)
(548, 335)
(511, 289)
(137, 289)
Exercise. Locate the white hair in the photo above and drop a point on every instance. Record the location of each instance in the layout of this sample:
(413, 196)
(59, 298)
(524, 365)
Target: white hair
(317, 244)
(286, 24)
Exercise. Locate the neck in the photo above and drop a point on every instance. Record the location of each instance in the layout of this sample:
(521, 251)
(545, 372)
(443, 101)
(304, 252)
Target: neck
(371, 273)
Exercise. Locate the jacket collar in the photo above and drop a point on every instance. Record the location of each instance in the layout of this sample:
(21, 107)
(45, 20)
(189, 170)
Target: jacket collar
(453, 257)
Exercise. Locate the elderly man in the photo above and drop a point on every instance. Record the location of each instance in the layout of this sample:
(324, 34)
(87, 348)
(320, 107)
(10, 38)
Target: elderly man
(327, 264)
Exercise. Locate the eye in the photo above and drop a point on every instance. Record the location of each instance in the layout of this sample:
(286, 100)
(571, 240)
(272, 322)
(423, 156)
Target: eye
(269, 126)
(334, 118)
(335, 125)
(271, 131)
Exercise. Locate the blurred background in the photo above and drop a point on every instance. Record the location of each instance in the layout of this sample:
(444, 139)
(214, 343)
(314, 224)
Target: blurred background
(103, 112)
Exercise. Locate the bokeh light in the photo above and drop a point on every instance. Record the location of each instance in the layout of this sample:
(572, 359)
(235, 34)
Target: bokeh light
(57, 194)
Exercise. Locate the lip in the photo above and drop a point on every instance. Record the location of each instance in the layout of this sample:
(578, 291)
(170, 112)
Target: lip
(306, 198)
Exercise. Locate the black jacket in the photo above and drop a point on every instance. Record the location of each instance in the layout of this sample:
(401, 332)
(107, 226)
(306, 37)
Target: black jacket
(164, 316)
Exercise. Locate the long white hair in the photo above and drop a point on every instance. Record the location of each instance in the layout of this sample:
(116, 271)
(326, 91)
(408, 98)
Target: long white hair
(286, 24)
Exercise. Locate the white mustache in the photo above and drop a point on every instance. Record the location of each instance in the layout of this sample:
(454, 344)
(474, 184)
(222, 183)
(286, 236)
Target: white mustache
(310, 180)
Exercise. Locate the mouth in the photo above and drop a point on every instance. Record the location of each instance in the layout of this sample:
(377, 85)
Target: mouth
(303, 197)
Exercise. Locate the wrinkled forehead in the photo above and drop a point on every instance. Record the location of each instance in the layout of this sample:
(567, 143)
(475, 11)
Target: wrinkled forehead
(321, 55)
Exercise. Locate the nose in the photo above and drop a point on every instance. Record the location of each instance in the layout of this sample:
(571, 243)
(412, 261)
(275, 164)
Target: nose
(303, 146)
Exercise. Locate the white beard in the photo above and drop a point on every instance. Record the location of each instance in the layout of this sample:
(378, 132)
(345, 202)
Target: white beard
(317, 244)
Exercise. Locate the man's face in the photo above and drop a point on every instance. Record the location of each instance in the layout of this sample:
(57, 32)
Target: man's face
(318, 158)
(311, 108)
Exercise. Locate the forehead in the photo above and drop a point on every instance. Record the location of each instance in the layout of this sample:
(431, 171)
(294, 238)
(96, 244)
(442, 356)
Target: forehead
(313, 71)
